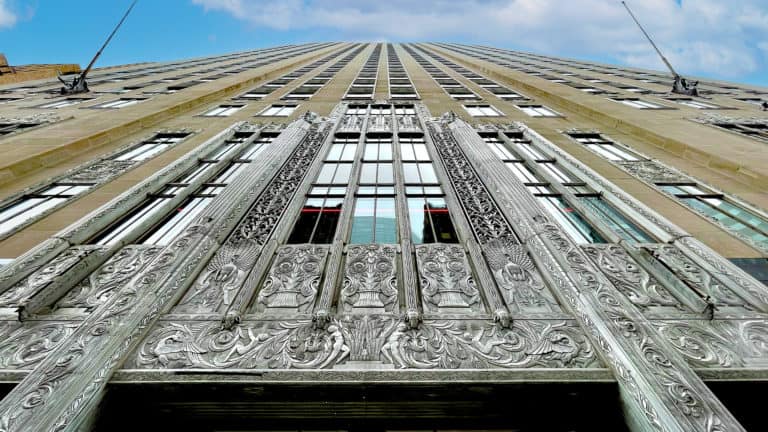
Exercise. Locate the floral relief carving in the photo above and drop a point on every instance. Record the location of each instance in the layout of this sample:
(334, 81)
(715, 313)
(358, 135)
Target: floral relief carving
(294, 279)
(28, 345)
(101, 172)
(519, 280)
(628, 277)
(703, 343)
(99, 286)
(370, 279)
(652, 171)
(446, 279)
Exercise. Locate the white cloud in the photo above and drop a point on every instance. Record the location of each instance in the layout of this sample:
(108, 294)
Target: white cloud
(7, 17)
(702, 36)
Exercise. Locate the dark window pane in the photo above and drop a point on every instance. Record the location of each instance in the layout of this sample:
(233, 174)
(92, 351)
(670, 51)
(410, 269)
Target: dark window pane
(329, 218)
(302, 231)
(386, 222)
(441, 221)
(363, 221)
(421, 231)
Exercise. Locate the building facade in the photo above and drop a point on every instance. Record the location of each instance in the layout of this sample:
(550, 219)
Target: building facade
(350, 236)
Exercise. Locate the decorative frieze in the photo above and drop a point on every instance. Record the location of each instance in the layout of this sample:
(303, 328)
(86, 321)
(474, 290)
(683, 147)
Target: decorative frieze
(23, 346)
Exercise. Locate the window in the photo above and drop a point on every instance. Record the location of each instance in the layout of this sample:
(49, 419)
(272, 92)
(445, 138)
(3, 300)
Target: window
(34, 205)
(482, 111)
(430, 221)
(376, 173)
(63, 103)
(403, 110)
(538, 111)
(413, 149)
(319, 217)
(695, 103)
(334, 174)
(606, 148)
(753, 129)
(343, 149)
(119, 103)
(9, 128)
(151, 147)
(9, 99)
(638, 103)
(223, 111)
(283, 110)
(616, 221)
(378, 149)
(714, 205)
(374, 221)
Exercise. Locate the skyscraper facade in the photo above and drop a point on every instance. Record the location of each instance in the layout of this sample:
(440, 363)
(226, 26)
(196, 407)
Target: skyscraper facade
(354, 236)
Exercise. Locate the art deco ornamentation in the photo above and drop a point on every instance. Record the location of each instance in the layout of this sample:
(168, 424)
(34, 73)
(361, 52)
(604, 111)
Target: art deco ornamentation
(628, 277)
(476, 345)
(514, 272)
(370, 279)
(24, 347)
(695, 277)
(408, 124)
(294, 279)
(652, 172)
(38, 280)
(101, 172)
(351, 123)
(218, 284)
(97, 288)
(300, 345)
(446, 279)
(263, 345)
(703, 343)
(486, 220)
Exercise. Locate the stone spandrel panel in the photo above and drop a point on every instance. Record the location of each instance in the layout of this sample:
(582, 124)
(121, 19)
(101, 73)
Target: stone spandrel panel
(718, 343)
(293, 280)
(446, 281)
(99, 286)
(24, 345)
(370, 279)
(378, 341)
(695, 277)
(642, 289)
(519, 280)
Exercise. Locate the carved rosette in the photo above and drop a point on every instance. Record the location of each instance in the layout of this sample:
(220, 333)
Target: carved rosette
(627, 276)
(370, 279)
(519, 280)
(259, 345)
(293, 280)
(25, 346)
(446, 279)
(99, 286)
(695, 277)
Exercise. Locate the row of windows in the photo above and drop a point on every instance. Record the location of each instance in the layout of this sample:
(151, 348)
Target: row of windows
(400, 84)
(364, 85)
(455, 89)
(730, 214)
(313, 85)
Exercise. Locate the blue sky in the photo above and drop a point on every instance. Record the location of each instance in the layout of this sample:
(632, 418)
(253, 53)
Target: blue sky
(711, 38)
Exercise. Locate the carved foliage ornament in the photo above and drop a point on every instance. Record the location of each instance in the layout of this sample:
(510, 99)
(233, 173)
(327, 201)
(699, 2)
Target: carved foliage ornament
(446, 279)
(24, 347)
(370, 279)
(294, 278)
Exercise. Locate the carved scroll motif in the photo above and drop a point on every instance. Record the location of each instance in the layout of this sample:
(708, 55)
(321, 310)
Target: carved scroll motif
(300, 345)
(293, 281)
(262, 345)
(38, 280)
(695, 277)
(370, 279)
(446, 279)
(96, 289)
(652, 172)
(628, 277)
(29, 344)
(519, 280)
(474, 345)
(101, 172)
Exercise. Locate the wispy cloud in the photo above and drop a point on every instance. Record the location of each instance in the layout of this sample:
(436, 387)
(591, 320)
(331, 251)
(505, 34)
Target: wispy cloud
(702, 36)
(7, 17)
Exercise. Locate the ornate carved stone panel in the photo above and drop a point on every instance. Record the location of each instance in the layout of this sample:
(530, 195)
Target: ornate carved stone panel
(446, 279)
(101, 172)
(376, 340)
(370, 279)
(718, 343)
(96, 289)
(643, 290)
(520, 283)
(39, 280)
(22, 346)
(218, 284)
(695, 277)
(652, 172)
(293, 280)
